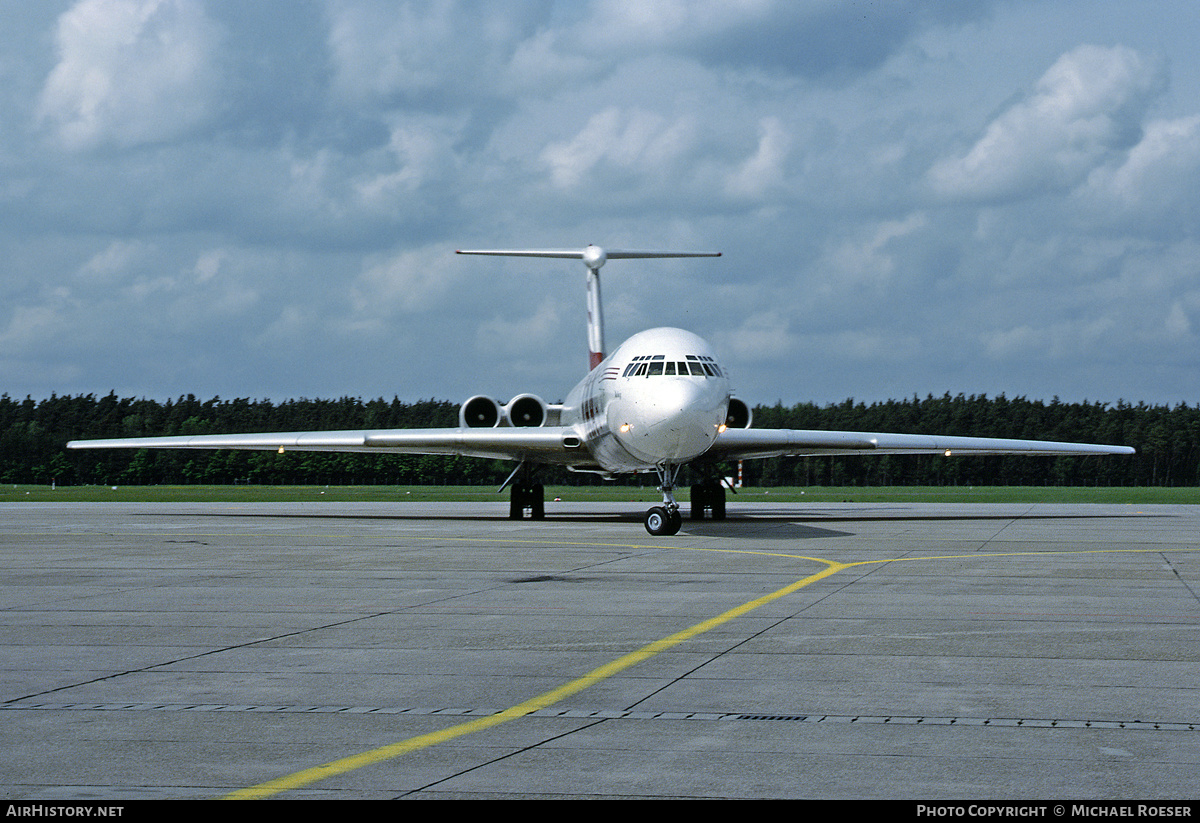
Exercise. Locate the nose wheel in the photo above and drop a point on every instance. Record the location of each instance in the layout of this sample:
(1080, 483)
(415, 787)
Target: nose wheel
(661, 521)
(665, 520)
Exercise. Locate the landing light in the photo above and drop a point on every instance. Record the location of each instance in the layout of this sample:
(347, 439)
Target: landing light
(947, 452)
(625, 427)
(721, 428)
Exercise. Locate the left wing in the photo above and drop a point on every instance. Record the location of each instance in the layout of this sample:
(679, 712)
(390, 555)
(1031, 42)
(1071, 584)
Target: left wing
(547, 444)
(735, 444)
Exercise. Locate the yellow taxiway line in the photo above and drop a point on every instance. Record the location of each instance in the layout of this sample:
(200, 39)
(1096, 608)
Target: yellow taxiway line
(348, 764)
(309, 776)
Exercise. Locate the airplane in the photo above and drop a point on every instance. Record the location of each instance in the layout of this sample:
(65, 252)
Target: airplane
(660, 401)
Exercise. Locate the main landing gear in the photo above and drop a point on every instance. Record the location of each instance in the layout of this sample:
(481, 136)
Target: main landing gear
(531, 497)
(709, 495)
(527, 495)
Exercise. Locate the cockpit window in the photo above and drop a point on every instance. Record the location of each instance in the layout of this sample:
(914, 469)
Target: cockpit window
(655, 365)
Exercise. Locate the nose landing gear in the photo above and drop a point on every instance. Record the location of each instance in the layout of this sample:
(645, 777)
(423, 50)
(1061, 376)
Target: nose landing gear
(665, 520)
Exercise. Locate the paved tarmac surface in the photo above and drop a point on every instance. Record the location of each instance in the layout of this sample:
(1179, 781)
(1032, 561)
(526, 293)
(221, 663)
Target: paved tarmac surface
(902, 651)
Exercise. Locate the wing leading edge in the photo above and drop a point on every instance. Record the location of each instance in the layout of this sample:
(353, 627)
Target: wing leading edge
(560, 445)
(548, 444)
(735, 444)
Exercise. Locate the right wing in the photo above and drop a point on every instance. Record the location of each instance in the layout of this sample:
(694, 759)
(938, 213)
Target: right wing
(554, 444)
(738, 444)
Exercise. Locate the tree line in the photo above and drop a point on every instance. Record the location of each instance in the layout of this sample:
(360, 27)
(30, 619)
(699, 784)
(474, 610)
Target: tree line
(33, 435)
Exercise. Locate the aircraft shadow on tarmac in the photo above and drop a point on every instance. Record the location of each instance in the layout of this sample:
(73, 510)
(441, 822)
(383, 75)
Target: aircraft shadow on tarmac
(783, 523)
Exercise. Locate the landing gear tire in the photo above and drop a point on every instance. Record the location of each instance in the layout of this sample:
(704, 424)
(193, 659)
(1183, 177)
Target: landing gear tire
(716, 501)
(532, 497)
(537, 502)
(662, 522)
(708, 495)
(699, 501)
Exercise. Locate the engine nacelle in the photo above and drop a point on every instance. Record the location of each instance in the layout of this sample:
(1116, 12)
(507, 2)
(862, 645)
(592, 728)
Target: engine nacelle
(738, 416)
(526, 410)
(480, 412)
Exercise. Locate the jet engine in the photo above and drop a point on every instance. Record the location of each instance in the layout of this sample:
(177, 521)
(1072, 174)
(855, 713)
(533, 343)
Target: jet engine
(738, 416)
(480, 412)
(526, 410)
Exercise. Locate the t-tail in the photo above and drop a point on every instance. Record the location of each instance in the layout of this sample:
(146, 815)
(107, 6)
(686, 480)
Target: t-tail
(593, 257)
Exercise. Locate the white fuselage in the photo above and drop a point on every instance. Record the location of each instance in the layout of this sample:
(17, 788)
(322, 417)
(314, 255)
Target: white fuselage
(660, 398)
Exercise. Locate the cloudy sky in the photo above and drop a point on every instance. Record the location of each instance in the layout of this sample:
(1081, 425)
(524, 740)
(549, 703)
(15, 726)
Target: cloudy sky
(262, 199)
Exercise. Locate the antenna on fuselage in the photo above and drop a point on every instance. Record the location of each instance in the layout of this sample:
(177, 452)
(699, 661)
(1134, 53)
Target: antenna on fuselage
(593, 257)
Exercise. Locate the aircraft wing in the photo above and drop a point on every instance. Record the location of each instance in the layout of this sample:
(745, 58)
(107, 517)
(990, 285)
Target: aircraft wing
(737, 444)
(547, 444)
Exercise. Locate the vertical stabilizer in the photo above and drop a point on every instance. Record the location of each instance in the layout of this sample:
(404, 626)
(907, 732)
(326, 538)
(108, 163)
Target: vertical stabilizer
(593, 257)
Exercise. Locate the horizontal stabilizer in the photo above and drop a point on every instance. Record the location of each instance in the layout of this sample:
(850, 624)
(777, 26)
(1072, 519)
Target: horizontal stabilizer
(593, 256)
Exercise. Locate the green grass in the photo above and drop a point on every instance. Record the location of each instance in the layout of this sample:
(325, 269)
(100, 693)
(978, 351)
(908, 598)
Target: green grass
(397, 494)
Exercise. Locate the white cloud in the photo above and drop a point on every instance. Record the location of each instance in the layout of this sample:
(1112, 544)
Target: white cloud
(855, 264)
(131, 72)
(1084, 111)
(403, 283)
(1178, 324)
(113, 261)
(615, 139)
(505, 336)
(646, 23)
(29, 327)
(301, 172)
(1020, 342)
(1157, 178)
(421, 152)
(761, 337)
(424, 49)
(764, 170)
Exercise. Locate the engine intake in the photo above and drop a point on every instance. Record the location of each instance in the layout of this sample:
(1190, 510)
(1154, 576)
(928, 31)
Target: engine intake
(526, 410)
(480, 412)
(738, 415)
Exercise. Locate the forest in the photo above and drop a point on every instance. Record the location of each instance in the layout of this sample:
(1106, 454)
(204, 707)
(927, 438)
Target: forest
(33, 434)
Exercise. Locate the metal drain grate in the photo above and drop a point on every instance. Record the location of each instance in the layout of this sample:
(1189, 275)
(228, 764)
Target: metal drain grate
(603, 714)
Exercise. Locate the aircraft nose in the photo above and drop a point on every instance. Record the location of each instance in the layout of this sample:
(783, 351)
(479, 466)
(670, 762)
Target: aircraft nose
(679, 424)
